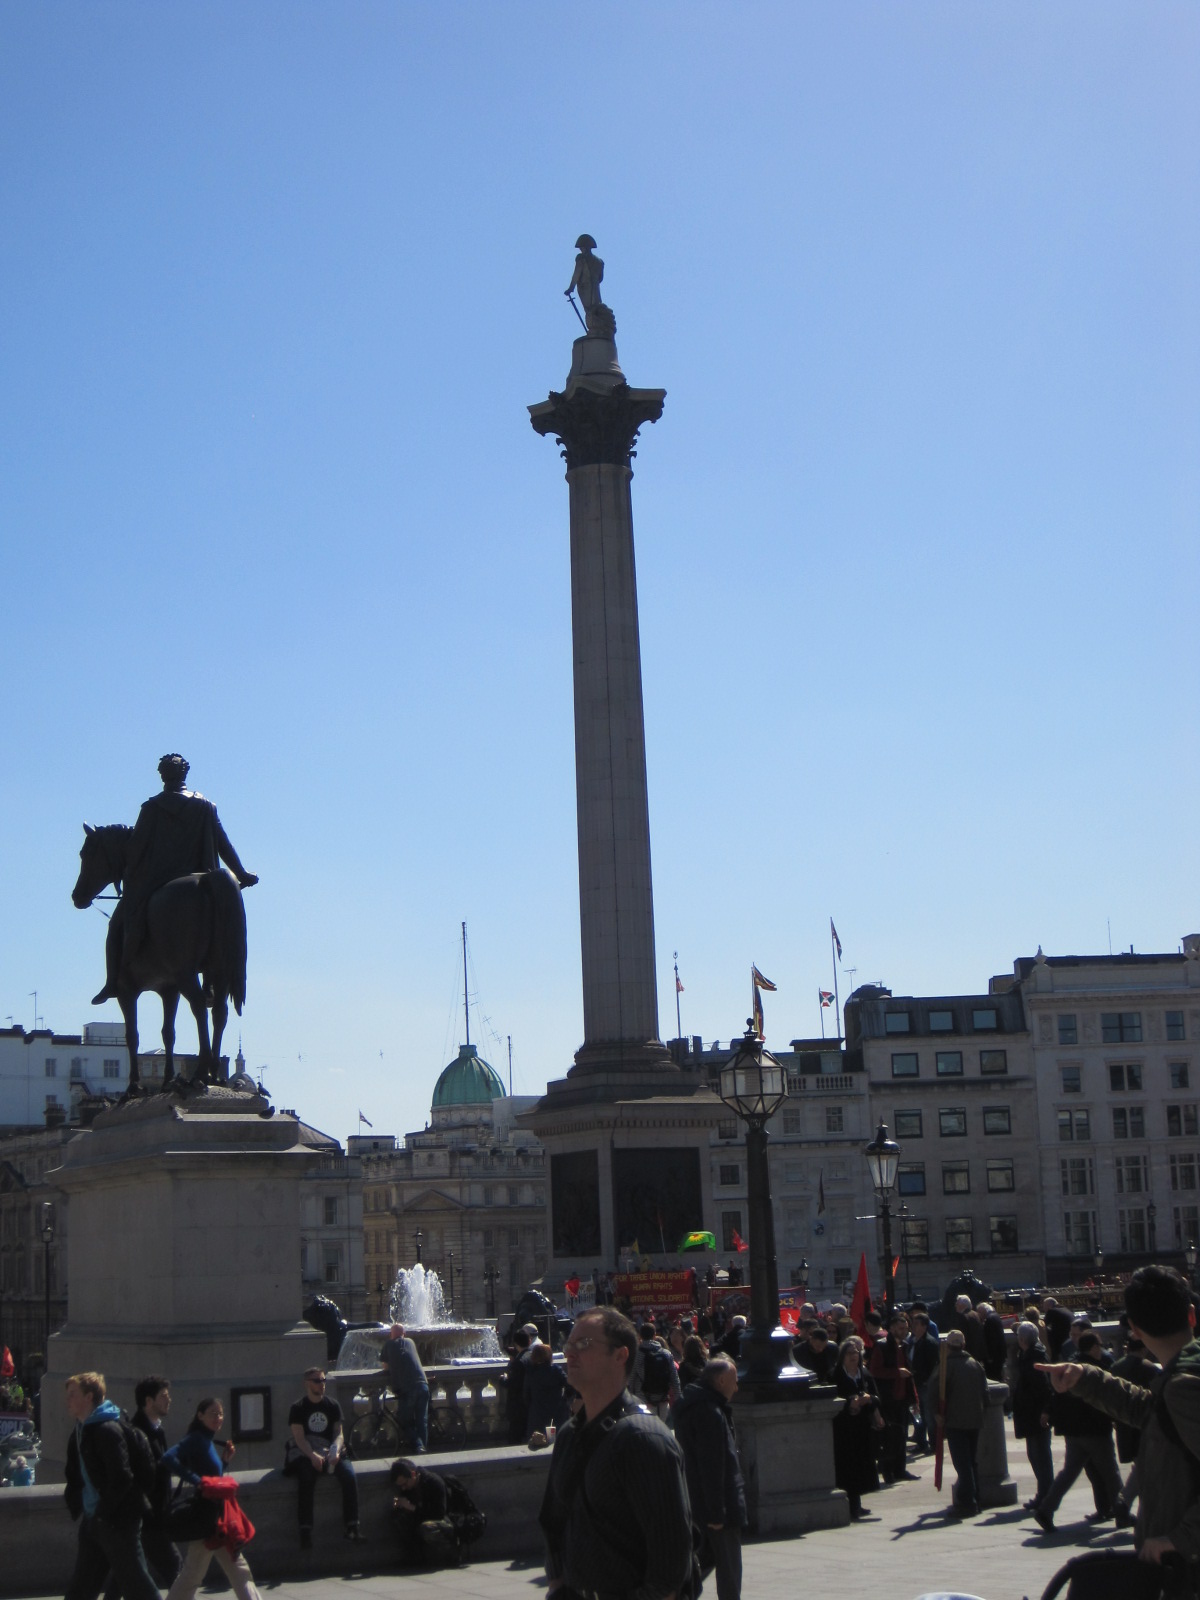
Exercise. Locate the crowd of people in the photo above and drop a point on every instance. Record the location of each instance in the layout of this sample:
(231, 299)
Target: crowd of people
(645, 1491)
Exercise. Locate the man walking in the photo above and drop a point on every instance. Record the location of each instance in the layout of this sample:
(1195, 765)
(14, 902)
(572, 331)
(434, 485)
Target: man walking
(410, 1386)
(104, 1493)
(1089, 1440)
(966, 1401)
(1031, 1402)
(923, 1363)
(703, 1424)
(615, 1513)
(152, 1398)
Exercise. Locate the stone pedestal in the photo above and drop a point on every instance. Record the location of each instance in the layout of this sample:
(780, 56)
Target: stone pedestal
(184, 1259)
(996, 1488)
(786, 1451)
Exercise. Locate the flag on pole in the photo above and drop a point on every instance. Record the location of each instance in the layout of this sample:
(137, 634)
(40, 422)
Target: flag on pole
(757, 982)
(826, 998)
(739, 1244)
(820, 1194)
(837, 943)
(361, 1118)
(861, 1302)
(678, 984)
(571, 1285)
(698, 1240)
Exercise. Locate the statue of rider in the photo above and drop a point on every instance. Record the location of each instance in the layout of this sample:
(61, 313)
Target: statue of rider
(177, 832)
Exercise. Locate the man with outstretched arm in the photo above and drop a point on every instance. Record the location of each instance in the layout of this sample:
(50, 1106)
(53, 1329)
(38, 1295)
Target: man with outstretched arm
(1161, 1314)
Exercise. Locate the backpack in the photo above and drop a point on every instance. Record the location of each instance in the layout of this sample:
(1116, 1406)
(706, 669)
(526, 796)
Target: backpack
(469, 1522)
(1187, 1366)
(656, 1374)
(141, 1460)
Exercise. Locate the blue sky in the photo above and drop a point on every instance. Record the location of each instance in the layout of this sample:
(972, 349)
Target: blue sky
(916, 535)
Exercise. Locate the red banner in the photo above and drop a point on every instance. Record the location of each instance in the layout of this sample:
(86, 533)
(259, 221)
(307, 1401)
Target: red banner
(658, 1291)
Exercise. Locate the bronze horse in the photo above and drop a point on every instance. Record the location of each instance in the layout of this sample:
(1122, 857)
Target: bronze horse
(195, 947)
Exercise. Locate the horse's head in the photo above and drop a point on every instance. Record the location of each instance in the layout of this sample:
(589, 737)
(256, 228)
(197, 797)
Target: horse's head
(101, 862)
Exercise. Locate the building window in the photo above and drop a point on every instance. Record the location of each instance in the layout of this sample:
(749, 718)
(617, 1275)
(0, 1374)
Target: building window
(993, 1063)
(941, 1022)
(1004, 1235)
(907, 1124)
(984, 1020)
(1132, 1226)
(952, 1122)
(791, 1119)
(1125, 1076)
(51, 1067)
(330, 1211)
(730, 1174)
(1181, 1122)
(731, 1223)
(956, 1177)
(514, 1272)
(333, 1265)
(949, 1063)
(1072, 1080)
(910, 1177)
(51, 1099)
(895, 1022)
(1179, 1074)
(1187, 1225)
(914, 1237)
(1000, 1177)
(833, 1119)
(1183, 1172)
(1078, 1175)
(1121, 1027)
(514, 1195)
(1075, 1125)
(1068, 1033)
(727, 1129)
(76, 1069)
(514, 1237)
(904, 1065)
(1077, 1233)
(489, 1195)
(997, 1119)
(959, 1236)
(303, 1260)
(1175, 1025)
(112, 1069)
(1132, 1176)
(489, 1238)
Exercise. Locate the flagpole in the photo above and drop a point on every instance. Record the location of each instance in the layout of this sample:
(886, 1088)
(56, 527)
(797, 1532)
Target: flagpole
(678, 1024)
(837, 1004)
(821, 1009)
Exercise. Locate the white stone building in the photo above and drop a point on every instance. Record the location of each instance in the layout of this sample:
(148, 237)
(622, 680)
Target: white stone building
(44, 1069)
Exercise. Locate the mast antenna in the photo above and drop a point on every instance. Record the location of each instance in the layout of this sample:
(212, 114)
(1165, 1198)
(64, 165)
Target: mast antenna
(510, 1066)
(466, 1006)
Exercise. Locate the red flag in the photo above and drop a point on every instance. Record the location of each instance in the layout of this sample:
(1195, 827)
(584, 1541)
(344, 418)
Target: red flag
(7, 1370)
(895, 1267)
(572, 1286)
(789, 1318)
(861, 1302)
(739, 1243)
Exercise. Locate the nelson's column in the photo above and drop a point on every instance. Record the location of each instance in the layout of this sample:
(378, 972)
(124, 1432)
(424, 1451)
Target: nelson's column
(607, 1190)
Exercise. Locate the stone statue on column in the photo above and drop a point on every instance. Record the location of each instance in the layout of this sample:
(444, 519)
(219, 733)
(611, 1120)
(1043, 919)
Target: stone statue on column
(587, 278)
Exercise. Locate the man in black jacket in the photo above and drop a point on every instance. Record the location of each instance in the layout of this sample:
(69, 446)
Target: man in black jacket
(420, 1503)
(816, 1352)
(104, 1494)
(703, 1424)
(1089, 1437)
(923, 1357)
(152, 1397)
(615, 1513)
(1032, 1402)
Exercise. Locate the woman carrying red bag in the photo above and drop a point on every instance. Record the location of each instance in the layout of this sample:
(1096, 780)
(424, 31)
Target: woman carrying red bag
(195, 1460)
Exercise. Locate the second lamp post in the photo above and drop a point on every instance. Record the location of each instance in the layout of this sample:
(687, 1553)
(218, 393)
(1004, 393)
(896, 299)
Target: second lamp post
(882, 1155)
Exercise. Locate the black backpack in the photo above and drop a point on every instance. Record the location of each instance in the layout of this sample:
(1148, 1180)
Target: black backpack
(656, 1374)
(466, 1517)
(141, 1460)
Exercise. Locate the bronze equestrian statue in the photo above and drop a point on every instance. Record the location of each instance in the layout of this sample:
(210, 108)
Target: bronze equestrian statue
(180, 926)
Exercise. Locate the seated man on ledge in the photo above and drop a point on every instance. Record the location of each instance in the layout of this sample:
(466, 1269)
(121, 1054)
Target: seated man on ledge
(316, 1446)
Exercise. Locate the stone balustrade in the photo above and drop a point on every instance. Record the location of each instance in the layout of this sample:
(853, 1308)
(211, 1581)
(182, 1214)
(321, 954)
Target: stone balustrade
(466, 1403)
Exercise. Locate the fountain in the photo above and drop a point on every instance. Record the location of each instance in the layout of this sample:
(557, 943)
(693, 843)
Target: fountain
(418, 1301)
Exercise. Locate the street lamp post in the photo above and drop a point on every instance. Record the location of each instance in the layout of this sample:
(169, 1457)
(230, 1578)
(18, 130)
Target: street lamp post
(753, 1085)
(491, 1276)
(904, 1250)
(882, 1155)
(450, 1259)
(1152, 1220)
(48, 1229)
(1189, 1255)
(418, 1236)
(802, 1270)
(1098, 1261)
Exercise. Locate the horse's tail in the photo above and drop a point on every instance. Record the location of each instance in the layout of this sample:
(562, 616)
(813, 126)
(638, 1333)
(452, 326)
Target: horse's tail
(226, 969)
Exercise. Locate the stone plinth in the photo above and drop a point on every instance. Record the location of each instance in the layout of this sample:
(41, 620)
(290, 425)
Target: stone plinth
(184, 1260)
(786, 1451)
(996, 1487)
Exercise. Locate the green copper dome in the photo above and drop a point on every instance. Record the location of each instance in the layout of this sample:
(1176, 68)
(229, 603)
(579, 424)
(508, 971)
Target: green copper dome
(468, 1081)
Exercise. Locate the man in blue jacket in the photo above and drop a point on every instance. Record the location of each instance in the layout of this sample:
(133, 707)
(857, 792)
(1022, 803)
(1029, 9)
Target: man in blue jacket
(103, 1491)
(703, 1424)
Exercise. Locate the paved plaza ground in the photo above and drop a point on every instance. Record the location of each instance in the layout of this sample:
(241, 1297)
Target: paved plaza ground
(909, 1551)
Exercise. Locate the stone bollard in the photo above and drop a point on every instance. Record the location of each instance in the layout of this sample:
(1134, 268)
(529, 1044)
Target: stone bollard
(996, 1488)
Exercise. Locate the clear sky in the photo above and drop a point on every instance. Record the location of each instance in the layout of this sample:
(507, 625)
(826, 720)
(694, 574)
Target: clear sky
(916, 535)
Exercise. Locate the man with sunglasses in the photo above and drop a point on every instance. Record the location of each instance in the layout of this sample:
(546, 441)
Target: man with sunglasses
(316, 1446)
(616, 1514)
